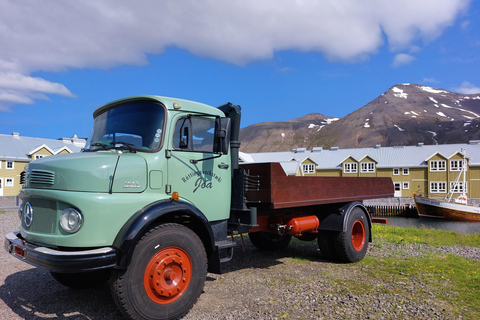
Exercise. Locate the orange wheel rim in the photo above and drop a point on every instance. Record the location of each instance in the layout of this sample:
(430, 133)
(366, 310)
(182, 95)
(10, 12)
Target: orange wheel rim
(358, 235)
(167, 275)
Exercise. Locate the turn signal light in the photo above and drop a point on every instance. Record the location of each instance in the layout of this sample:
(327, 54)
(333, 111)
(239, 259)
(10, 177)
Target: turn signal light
(175, 196)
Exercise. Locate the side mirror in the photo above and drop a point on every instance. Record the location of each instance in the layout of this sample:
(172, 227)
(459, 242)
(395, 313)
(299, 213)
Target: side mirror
(222, 136)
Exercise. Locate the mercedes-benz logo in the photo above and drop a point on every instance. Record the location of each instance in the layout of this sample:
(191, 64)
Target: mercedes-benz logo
(27, 214)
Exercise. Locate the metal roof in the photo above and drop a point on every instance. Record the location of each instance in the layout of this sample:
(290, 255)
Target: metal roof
(17, 148)
(386, 157)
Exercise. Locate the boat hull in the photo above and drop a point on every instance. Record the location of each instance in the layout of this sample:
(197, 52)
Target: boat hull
(446, 210)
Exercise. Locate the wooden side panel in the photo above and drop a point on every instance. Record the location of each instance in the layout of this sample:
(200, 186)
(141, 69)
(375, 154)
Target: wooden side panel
(282, 191)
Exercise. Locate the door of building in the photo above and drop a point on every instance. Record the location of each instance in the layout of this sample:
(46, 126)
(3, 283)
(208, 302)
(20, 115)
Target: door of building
(1, 187)
(398, 190)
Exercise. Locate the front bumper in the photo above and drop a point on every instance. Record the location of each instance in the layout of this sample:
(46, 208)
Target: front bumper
(59, 261)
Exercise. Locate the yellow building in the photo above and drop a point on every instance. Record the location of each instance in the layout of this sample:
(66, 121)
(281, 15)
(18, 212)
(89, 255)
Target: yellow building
(16, 151)
(423, 168)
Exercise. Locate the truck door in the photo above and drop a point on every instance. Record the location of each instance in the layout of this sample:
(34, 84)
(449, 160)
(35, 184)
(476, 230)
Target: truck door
(194, 171)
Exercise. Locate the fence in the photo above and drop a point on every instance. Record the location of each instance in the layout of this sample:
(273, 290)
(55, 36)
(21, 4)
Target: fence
(405, 211)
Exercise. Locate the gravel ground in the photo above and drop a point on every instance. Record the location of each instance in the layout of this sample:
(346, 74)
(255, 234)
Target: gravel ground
(294, 284)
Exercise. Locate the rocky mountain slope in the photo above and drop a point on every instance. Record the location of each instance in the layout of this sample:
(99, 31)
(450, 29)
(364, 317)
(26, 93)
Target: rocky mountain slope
(406, 114)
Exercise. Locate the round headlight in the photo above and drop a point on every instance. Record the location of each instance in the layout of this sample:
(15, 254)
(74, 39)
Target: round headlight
(71, 220)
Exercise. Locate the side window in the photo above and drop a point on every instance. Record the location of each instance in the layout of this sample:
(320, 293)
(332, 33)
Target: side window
(194, 134)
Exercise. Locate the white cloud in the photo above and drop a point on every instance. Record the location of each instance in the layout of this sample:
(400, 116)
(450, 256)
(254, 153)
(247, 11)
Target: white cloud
(402, 59)
(430, 80)
(467, 88)
(54, 35)
(16, 88)
(18, 82)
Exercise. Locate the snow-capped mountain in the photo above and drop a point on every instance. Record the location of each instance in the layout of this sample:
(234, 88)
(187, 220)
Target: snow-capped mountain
(406, 114)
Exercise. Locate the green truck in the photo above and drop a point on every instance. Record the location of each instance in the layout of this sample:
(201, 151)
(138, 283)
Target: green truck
(154, 201)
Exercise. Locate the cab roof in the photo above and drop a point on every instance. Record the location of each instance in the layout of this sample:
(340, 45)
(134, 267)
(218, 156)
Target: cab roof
(168, 102)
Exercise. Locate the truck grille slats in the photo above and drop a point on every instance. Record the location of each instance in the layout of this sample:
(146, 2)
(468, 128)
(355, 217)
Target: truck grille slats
(42, 177)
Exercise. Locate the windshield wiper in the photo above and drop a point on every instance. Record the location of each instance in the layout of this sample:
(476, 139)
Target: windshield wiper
(126, 144)
(97, 144)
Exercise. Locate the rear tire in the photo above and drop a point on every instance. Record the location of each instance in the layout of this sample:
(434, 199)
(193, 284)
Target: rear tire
(166, 275)
(269, 241)
(83, 280)
(352, 245)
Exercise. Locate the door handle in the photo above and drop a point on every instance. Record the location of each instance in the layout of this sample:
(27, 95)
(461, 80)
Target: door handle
(223, 166)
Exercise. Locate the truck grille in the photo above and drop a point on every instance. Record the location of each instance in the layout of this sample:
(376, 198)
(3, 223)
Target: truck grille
(23, 178)
(41, 177)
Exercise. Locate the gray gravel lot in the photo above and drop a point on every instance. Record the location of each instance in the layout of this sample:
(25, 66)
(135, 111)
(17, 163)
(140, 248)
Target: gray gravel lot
(295, 284)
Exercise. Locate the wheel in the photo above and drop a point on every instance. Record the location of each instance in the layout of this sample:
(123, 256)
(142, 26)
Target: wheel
(326, 244)
(83, 280)
(269, 241)
(166, 275)
(352, 245)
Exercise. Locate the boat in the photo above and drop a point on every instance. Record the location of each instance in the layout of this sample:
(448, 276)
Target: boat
(451, 207)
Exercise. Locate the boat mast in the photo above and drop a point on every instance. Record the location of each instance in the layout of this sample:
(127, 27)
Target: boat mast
(456, 185)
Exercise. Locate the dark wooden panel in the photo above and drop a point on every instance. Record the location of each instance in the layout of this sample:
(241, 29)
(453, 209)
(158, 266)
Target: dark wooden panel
(282, 191)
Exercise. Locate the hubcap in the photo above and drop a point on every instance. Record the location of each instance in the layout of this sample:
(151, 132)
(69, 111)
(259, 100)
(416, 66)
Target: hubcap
(358, 235)
(167, 275)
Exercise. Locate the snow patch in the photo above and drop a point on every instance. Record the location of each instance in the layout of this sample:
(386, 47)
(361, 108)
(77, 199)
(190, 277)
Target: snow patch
(441, 114)
(406, 112)
(366, 125)
(311, 126)
(399, 129)
(431, 90)
(415, 113)
(431, 99)
(467, 124)
(399, 93)
(329, 121)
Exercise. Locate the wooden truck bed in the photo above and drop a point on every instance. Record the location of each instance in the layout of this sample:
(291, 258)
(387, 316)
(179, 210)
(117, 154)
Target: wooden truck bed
(282, 191)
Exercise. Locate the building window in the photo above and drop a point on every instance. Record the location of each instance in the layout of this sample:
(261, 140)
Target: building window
(396, 171)
(438, 187)
(367, 167)
(9, 182)
(350, 167)
(458, 188)
(10, 165)
(39, 156)
(456, 165)
(405, 171)
(406, 185)
(438, 165)
(308, 168)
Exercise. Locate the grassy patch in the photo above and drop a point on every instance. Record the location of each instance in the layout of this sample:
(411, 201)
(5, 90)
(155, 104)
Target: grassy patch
(447, 279)
(2, 211)
(433, 237)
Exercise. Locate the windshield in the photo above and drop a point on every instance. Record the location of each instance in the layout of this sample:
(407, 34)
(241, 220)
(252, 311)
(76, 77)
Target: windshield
(134, 126)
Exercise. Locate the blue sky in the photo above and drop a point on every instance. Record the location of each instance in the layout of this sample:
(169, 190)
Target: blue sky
(278, 59)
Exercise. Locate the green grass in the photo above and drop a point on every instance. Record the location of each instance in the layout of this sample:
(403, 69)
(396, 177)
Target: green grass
(2, 211)
(432, 237)
(452, 280)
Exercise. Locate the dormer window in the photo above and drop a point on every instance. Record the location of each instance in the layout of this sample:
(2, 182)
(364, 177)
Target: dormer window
(350, 167)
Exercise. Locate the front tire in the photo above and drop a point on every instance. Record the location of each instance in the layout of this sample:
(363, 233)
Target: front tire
(352, 245)
(166, 275)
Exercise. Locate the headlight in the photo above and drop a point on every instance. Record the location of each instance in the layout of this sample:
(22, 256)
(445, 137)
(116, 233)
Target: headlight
(71, 220)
